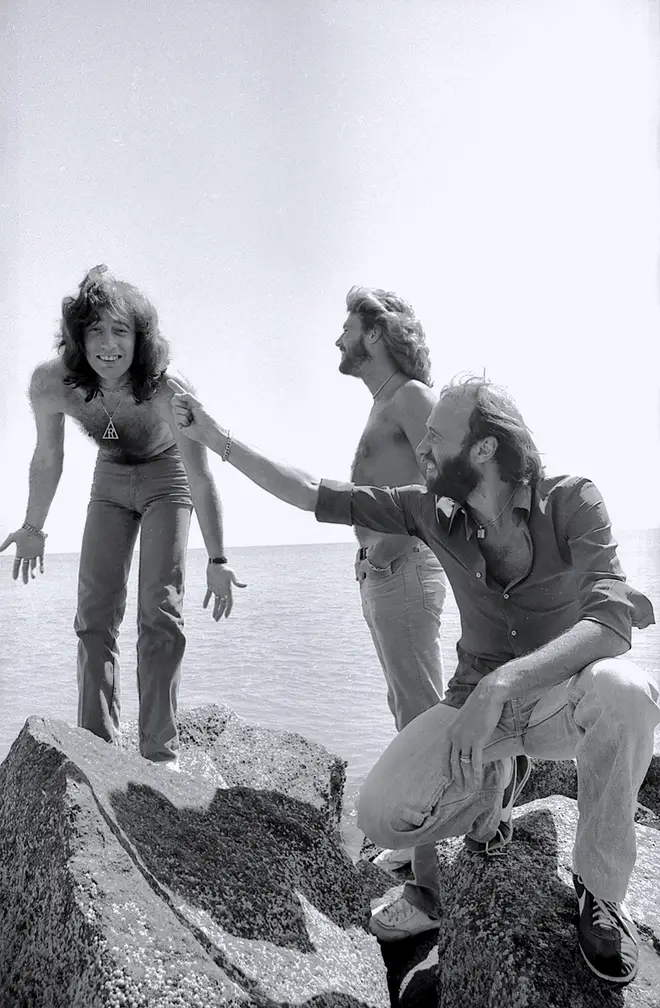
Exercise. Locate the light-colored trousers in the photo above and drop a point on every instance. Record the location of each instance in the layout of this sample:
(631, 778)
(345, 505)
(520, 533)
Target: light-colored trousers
(604, 716)
(402, 607)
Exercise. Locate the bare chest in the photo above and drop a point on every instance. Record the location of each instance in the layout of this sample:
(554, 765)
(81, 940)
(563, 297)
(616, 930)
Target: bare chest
(122, 428)
(384, 456)
(508, 556)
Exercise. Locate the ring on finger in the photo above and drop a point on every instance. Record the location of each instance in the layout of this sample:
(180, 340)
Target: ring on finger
(465, 759)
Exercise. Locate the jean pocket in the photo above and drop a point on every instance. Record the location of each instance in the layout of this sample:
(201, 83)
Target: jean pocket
(434, 592)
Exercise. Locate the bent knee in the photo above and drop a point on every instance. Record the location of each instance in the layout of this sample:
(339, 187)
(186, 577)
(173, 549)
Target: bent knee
(620, 679)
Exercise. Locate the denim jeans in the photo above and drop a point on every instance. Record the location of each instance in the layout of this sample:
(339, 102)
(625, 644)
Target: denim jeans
(604, 716)
(153, 498)
(402, 607)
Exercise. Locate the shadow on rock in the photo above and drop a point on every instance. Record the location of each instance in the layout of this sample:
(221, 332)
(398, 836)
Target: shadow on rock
(242, 859)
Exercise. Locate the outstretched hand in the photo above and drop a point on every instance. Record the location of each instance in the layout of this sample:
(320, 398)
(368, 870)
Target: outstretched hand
(219, 579)
(29, 550)
(190, 416)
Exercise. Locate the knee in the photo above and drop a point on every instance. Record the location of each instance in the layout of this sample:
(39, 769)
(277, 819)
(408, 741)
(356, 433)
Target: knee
(622, 683)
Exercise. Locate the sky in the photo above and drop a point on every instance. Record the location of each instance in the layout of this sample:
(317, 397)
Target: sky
(246, 163)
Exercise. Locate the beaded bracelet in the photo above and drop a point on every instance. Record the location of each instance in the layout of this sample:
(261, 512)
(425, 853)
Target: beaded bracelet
(225, 454)
(34, 531)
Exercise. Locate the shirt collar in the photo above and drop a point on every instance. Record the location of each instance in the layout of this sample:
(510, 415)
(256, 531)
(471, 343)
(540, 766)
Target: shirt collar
(522, 499)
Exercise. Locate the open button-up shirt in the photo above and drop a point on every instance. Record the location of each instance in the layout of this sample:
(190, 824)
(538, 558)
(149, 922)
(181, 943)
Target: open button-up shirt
(575, 573)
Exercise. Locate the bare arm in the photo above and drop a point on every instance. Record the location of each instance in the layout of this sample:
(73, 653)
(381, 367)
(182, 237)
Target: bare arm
(555, 662)
(48, 457)
(411, 404)
(293, 486)
(283, 481)
(203, 490)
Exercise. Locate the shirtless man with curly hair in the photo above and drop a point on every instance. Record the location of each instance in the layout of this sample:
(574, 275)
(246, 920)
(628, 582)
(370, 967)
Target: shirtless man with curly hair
(110, 375)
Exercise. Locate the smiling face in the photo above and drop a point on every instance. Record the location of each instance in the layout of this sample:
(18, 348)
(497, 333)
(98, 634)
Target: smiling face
(110, 346)
(354, 352)
(445, 459)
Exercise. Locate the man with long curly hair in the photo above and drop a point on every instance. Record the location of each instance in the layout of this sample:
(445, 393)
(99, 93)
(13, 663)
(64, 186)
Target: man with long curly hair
(402, 584)
(546, 616)
(110, 376)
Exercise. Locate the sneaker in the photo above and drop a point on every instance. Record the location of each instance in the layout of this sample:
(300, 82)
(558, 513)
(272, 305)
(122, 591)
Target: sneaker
(391, 860)
(522, 768)
(400, 919)
(607, 936)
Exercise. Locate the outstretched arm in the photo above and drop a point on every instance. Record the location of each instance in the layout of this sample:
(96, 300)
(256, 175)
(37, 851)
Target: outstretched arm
(289, 484)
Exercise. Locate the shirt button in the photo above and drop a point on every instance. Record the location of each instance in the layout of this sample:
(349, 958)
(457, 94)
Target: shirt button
(477, 574)
(505, 596)
(513, 633)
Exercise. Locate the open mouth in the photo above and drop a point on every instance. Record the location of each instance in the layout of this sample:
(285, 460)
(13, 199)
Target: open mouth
(109, 358)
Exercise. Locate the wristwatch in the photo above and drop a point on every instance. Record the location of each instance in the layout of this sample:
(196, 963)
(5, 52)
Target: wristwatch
(218, 560)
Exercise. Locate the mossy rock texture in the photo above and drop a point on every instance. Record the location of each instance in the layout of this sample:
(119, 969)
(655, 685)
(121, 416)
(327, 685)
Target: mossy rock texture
(125, 884)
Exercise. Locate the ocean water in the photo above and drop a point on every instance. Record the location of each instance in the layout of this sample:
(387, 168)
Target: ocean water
(295, 652)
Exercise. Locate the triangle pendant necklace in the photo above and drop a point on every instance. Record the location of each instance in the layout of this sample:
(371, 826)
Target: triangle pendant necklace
(111, 432)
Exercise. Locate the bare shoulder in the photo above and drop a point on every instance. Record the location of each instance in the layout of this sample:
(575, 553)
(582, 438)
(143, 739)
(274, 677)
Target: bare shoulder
(47, 388)
(175, 373)
(414, 397)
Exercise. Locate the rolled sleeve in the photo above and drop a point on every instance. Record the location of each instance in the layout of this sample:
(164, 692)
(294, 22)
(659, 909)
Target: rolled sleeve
(603, 593)
(377, 508)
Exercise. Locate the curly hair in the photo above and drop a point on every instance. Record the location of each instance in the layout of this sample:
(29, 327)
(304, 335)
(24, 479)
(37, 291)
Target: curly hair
(401, 331)
(495, 414)
(99, 290)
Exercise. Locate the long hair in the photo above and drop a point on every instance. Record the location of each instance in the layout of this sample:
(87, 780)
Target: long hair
(99, 290)
(400, 330)
(495, 414)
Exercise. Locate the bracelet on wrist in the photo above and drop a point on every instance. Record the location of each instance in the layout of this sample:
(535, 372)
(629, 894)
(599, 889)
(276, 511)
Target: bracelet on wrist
(34, 531)
(218, 560)
(225, 455)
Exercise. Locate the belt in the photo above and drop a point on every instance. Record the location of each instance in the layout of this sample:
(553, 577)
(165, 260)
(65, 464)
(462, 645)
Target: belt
(363, 550)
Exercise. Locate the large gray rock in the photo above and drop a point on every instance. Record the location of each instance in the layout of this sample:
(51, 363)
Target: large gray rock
(124, 884)
(508, 931)
(220, 745)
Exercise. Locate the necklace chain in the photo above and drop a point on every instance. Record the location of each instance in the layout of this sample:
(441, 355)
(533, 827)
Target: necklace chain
(384, 384)
(484, 525)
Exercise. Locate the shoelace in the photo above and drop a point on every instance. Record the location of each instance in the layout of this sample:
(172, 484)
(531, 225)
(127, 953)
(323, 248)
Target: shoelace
(398, 911)
(605, 914)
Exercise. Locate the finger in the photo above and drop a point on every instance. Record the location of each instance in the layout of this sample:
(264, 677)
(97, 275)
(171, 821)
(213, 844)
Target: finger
(33, 564)
(220, 604)
(477, 765)
(456, 765)
(230, 603)
(26, 571)
(239, 584)
(6, 543)
(41, 563)
(174, 385)
(207, 597)
(17, 567)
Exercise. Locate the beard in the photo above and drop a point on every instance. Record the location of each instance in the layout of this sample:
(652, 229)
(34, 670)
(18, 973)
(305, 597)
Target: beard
(352, 361)
(456, 478)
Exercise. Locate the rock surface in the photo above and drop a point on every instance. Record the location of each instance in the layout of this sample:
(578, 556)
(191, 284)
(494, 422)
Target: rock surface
(125, 884)
(220, 745)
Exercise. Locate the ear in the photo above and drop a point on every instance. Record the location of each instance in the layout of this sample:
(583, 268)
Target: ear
(373, 334)
(485, 449)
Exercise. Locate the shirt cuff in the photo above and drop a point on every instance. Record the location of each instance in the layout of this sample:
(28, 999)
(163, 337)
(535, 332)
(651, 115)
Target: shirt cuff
(333, 502)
